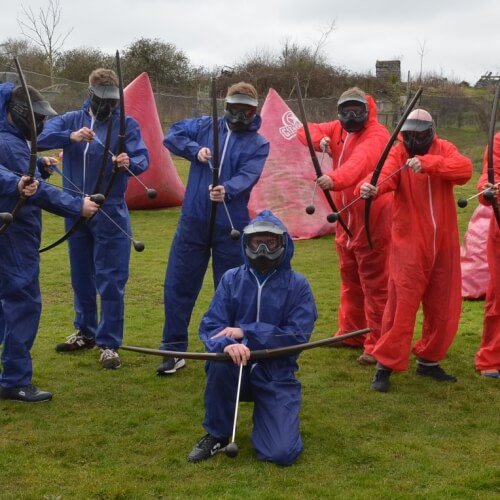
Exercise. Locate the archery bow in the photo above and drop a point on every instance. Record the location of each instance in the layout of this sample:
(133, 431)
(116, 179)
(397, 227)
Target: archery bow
(260, 354)
(383, 157)
(149, 191)
(215, 156)
(121, 133)
(314, 158)
(491, 170)
(33, 149)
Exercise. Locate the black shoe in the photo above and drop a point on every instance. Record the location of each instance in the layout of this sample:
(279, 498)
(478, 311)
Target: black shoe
(76, 342)
(27, 394)
(207, 447)
(170, 366)
(380, 382)
(434, 371)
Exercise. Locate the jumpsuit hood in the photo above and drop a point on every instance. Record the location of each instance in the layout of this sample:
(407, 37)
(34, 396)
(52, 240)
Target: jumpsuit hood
(268, 216)
(5, 96)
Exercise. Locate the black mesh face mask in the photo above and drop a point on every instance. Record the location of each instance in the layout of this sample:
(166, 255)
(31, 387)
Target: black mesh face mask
(418, 143)
(239, 116)
(19, 113)
(103, 99)
(264, 251)
(352, 115)
(102, 109)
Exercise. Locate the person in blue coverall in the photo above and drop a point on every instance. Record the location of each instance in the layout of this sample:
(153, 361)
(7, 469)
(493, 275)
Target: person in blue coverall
(243, 153)
(99, 252)
(20, 301)
(262, 304)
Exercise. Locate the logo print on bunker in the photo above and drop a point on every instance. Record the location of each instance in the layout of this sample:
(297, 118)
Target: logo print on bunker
(290, 125)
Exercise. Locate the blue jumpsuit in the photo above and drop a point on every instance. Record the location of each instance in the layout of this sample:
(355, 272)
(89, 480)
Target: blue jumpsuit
(99, 252)
(19, 266)
(242, 158)
(277, 310)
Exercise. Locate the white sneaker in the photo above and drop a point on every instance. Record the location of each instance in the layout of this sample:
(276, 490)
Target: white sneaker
(109, 359)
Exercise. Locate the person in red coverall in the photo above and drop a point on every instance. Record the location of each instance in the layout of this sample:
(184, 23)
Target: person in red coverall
(488, 356)
(424, 262)
(355, 142)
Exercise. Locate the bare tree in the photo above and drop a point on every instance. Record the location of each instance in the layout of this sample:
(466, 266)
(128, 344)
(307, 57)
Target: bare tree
(421, 52)
(312, 56)
(42, 29)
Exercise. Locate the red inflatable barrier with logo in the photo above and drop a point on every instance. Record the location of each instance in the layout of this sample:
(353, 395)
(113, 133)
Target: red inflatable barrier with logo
(162, 174)
(287, 183)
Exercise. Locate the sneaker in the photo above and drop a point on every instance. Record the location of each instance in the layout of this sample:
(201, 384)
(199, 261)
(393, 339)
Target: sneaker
(433, 370)
(491, 373)
(26, 394)
(76, 342)
(206, 448)
(367, 359)
(170, 366)
(109, 359)
(380, 382)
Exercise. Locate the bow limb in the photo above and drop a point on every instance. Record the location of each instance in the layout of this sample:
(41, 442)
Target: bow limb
(254, 355)
(121, 133)
(34, 144)
(63, 238)
(215, 156)
(97, 187)
(491, 169)
(383, 157)
(314, 158)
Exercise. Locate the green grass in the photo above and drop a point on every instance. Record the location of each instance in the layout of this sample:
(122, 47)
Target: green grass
(470, 141)
(126, 433)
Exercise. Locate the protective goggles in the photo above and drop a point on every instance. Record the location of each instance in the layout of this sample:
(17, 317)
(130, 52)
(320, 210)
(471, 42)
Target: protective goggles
(39, 119)
(271, 242)
(246, 110)
(352, 112)
(418, 137)
(109, 103)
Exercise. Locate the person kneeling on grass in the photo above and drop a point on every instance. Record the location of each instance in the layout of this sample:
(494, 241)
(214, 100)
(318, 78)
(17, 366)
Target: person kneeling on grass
(262, 304)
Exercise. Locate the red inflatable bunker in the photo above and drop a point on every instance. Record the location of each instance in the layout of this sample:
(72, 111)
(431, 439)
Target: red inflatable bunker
(162, 174)
(287, 182)
(473, 259)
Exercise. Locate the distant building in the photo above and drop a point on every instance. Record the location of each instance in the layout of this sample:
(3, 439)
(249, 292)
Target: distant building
(488, 80)
(388, 71)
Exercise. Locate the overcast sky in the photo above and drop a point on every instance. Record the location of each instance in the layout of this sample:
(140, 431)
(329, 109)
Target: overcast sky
(461, 38)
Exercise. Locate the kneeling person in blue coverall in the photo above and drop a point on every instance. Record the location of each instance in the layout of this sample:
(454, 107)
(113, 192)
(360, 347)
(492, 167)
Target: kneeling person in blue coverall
(262, 304)
(242, 154)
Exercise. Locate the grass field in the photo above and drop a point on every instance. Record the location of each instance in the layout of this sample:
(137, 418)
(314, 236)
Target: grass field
(126, 433)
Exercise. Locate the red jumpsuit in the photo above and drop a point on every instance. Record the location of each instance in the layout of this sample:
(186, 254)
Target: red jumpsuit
(424, 262)
(488, 356)
(363, 271)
